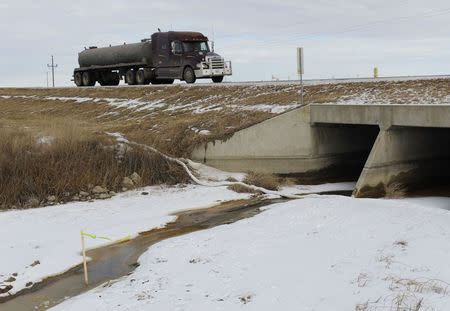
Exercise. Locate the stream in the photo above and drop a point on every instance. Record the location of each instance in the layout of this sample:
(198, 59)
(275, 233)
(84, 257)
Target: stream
(117, 260)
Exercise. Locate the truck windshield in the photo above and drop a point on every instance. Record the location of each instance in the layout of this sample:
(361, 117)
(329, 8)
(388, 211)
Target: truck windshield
(195, 46)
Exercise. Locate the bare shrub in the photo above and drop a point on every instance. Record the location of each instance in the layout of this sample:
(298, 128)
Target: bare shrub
(267, 181)
(71, 162)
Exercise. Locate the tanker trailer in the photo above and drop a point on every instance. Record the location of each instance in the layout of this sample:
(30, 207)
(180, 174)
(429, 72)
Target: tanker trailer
(160, 60)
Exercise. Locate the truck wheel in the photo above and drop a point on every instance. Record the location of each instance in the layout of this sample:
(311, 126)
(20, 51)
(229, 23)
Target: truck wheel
(140, 77)
(115, 79)
(130, 77)
(88, 79)
(78, 79)
(217, 79)
(189, 75)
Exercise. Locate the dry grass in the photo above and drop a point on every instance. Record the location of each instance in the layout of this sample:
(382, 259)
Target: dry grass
(62, 159)
(267, 181)
(395, 190)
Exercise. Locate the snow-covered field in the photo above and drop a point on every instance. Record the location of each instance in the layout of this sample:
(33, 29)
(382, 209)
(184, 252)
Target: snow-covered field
(51, 235)
(317, 253)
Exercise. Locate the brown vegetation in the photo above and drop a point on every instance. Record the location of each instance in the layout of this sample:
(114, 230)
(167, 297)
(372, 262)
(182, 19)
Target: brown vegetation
(267, 181)
(61, 160)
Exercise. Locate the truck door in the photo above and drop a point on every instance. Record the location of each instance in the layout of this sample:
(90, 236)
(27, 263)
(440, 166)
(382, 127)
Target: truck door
(162, 50)
(175, 59)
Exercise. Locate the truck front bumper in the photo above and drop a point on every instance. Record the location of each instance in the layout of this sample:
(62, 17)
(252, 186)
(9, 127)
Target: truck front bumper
(209, 72)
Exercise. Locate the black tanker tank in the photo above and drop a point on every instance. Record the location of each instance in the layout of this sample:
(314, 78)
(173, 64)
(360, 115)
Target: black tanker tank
(126, 54)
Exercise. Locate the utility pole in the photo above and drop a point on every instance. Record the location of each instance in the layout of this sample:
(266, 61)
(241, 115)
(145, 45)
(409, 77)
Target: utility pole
(300, 71)
(53, 66)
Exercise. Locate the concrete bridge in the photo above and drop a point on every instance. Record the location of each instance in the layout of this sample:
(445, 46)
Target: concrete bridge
(381, 146)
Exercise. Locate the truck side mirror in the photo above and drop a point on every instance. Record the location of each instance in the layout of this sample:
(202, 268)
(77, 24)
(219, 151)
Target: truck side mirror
(176, 48)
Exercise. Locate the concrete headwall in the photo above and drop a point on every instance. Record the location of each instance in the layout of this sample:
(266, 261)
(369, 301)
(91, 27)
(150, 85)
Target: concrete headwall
(384, 145)
(288, 144)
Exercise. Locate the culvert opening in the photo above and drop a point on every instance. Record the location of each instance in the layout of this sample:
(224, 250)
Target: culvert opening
(343, 149)
(422, 156)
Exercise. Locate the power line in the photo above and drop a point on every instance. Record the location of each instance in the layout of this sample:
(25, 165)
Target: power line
(296, 37)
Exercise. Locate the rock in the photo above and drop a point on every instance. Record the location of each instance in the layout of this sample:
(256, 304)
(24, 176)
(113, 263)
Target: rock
(29, 284)
(5, 288)
(51, 198)
(15, 274)
(10, 280)
(136, 178)
(99, 190)
(144, 193)
(127, 182)
(104, 196)
(66, 194)
(83, 194)
(112, 193)
(32, 202)
(35, 263)
(75, 198)
(124, 189)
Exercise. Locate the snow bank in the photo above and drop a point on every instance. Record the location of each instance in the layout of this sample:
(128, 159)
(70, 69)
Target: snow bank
(319, 253)
(51, 235)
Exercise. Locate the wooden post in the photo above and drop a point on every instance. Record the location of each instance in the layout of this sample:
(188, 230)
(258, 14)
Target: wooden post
(83, 249)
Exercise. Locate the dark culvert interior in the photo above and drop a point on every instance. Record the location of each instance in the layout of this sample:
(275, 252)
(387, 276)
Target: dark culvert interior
(345, 146)
(427, 151)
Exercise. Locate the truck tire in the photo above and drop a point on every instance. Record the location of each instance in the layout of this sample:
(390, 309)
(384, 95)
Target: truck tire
(217, 79)
(78, 79)
(140, 77)
(115, 79)
(88, 79)
(130, 77)
(189, 75)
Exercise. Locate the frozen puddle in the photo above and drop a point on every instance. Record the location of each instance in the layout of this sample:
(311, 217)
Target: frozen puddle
(114, 261)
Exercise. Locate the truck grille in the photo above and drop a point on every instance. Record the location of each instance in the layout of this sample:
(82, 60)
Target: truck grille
(217, 63)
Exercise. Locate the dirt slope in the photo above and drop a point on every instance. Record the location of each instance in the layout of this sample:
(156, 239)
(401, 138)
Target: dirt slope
(176, 118)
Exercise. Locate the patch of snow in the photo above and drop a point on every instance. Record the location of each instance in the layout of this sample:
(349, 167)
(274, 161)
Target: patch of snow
(209, 173)
(272, 108)
(75, 99)
(318, 253)
(201, 132)
(328, 187)
(204, 132)
(52, 234)
(45, 140)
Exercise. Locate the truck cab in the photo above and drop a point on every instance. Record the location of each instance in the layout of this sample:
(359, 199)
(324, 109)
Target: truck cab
(187, 56)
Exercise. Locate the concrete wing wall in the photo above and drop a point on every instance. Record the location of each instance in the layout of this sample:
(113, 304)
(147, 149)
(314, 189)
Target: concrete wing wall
(276, 145)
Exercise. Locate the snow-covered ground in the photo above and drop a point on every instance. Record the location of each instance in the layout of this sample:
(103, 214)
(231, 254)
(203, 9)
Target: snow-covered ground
(317, 253)
(51, 235)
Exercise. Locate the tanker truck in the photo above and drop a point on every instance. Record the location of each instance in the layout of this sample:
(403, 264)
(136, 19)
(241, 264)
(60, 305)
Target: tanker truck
(160, 60)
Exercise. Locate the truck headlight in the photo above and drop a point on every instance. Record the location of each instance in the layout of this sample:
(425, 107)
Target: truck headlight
(204, 66)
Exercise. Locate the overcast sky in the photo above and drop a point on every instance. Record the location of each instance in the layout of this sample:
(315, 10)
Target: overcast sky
(341, 38)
